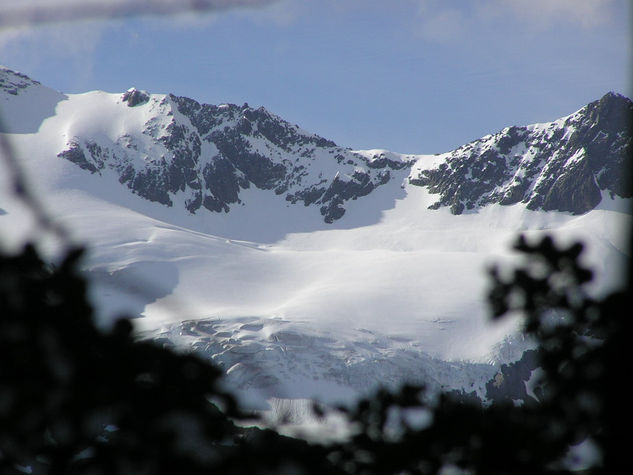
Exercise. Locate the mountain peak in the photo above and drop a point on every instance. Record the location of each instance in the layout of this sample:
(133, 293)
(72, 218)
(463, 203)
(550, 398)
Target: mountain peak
(12, 82)
(614, 96)
(205, 156)
(24, 102)
(563, 165)
(135, 97)
(612, 111)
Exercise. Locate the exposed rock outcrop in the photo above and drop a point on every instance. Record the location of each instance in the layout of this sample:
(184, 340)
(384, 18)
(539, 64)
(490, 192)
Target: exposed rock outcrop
(563, 165)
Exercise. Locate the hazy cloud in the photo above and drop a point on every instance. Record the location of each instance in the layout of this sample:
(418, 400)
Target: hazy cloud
(73, 47)
(549, 13)
(444, 25)
(449, 19)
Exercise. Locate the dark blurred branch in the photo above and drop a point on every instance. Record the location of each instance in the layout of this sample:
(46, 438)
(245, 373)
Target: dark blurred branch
(52, 12)
(45, 223)
(21, 189)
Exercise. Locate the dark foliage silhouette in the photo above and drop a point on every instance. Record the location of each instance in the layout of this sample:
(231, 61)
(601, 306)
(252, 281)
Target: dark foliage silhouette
(74, 399)
(582, 344)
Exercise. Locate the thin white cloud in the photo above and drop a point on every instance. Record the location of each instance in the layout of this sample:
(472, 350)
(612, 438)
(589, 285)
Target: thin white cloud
(550, 13)
(450, 19)
(444, 25)
(72, 47)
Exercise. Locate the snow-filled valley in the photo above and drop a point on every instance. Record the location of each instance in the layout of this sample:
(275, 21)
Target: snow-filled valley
(293, 297)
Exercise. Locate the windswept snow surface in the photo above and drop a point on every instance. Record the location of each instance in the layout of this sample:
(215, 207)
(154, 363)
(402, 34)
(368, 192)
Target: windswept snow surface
(389, 292)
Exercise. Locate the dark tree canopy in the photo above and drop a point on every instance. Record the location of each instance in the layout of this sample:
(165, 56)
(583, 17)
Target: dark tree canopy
(77, 400)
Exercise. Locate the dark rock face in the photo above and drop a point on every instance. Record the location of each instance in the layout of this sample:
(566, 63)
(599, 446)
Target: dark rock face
(134, 97)
(74, 153)
(563, 165)
(210, 153)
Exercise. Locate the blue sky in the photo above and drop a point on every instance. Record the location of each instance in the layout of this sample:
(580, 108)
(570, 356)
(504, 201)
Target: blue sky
(415, 76)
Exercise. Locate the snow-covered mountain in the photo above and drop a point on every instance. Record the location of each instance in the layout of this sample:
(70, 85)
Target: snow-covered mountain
(558, 166)
(304, 268)
(207, 155)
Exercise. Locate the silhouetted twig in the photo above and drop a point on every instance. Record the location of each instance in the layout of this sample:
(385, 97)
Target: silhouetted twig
(22, 190)
(52, 12)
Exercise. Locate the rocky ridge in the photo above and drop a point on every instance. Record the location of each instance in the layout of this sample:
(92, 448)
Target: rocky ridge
(12, 82)
(211, 153)
(563, 165)
(207, 155)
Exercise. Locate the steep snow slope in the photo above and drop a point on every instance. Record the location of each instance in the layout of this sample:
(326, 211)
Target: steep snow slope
(291, 305)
